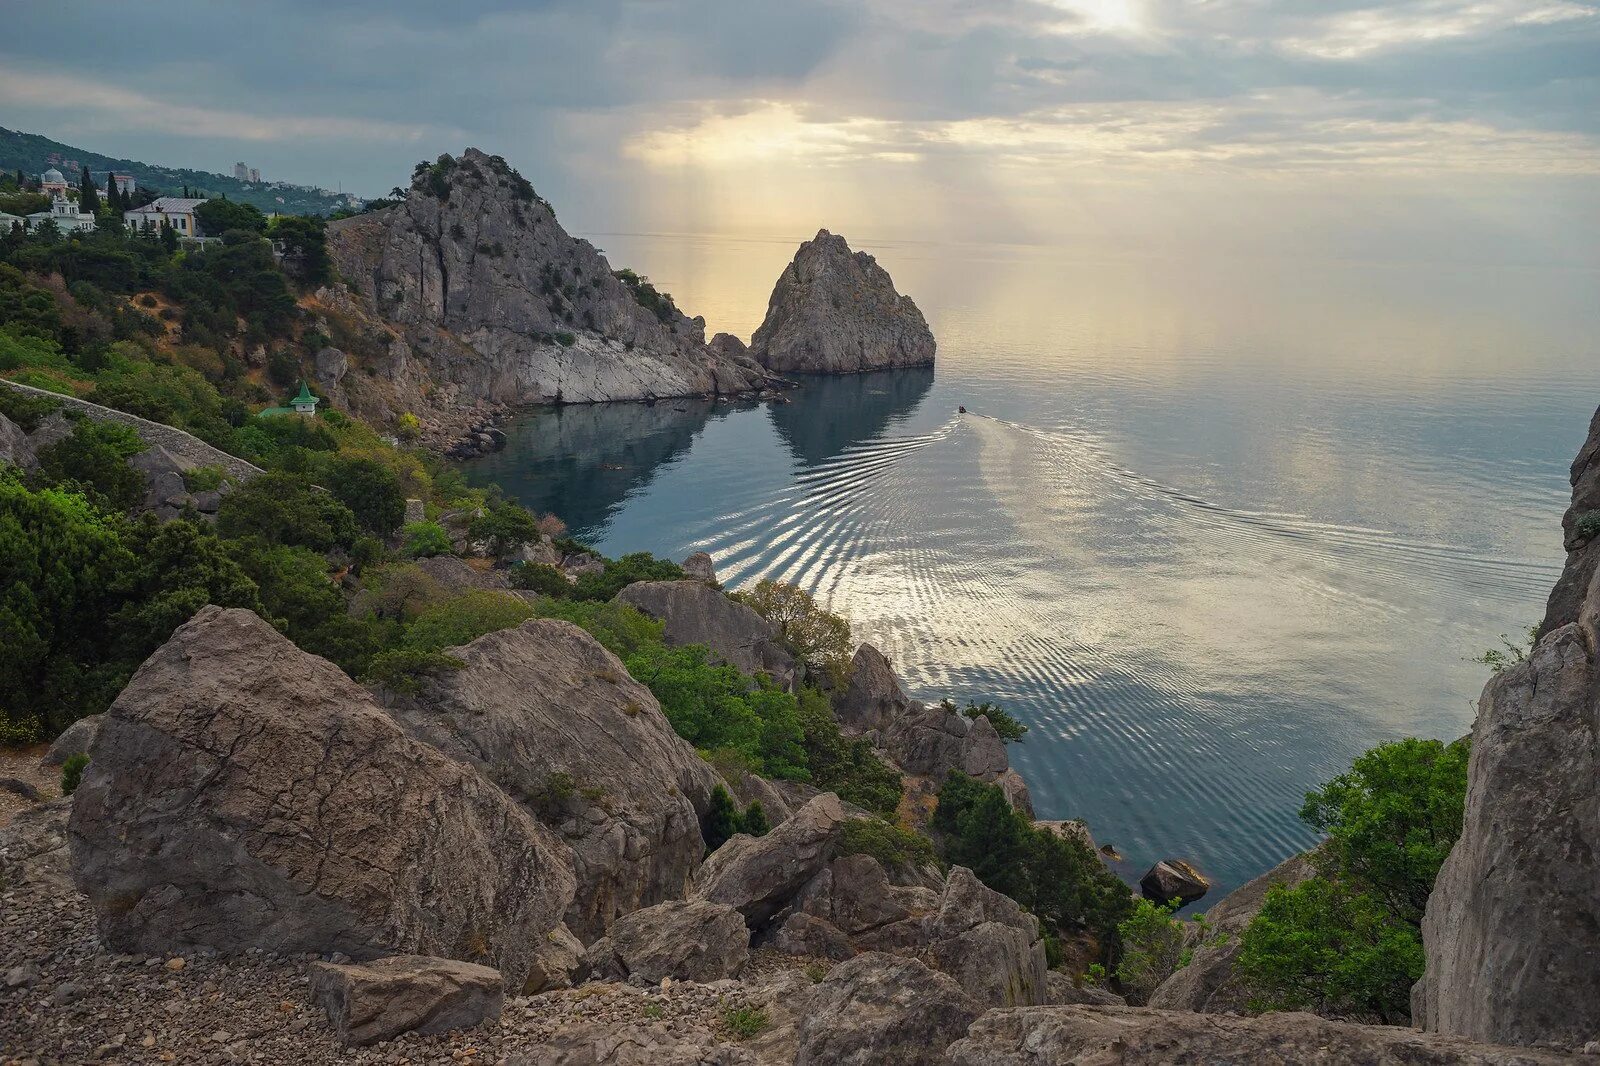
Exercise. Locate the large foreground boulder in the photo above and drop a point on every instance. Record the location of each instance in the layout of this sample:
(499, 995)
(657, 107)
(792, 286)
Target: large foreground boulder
(1512, 929)
(987, 943)
(1208, 983)
(371, 1001)
(242, 793)
(554, 718)
(759, 876)
(695, 613)
(1136, 1036)
(882, 1010)
(686, 940)
(834, 311)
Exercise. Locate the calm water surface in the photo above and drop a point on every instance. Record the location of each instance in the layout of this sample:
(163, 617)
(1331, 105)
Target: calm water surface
(1209, 531)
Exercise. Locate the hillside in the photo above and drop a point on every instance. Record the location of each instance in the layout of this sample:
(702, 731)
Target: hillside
(31, 152)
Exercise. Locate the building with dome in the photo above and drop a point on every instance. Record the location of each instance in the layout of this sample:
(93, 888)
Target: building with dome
(52, 183)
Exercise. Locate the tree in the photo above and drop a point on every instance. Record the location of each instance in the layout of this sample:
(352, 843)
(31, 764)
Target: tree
(94, 461)
(305, 248)
(115, 204)
(620, 573)
(818, 636)
(1004, 723)
(60, 560)
(504, 527)
(1392, 819)
(755, 821)
(217, 217)
(424, 539)
(1325, 947)
(279, 508)
(88, 195)
(169, 237)
(1152, 948)
(721, 820)
(370, 489)
(464, 618)
(178, 567)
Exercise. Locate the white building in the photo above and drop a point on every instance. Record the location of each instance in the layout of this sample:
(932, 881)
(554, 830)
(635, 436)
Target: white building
(64, 214)
(175, 211)
(9, 222)
(255, 176)
(241, 172)
(52, 182)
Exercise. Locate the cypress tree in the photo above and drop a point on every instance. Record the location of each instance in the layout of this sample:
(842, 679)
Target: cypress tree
(722, 821)
(88, 195)
(115, 204)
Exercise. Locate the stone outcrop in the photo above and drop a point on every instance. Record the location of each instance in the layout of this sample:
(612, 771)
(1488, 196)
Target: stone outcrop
(834, 311)
(76, 739)
(557, 962)
(924, 742)
(695, 613)
(481, 294)
(1208, 983)
(371, 1001)
(33, 848)
(1137, 1036)
(242, 793)
(700, 567)
(1512, 929)
(760, 875)
(882, 1010)
(167, 493)
(686, 940)
(1173, 879)
(987, 943)
(14, 446)
(551, 716)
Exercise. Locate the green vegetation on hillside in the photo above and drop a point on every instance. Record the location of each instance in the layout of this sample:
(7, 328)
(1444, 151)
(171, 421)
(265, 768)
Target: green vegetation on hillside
(1348, 942)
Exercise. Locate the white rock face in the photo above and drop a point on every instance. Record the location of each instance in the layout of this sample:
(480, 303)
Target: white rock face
(834, 311)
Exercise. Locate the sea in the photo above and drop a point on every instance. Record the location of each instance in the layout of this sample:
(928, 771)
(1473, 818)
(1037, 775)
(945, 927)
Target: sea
(1210, 530)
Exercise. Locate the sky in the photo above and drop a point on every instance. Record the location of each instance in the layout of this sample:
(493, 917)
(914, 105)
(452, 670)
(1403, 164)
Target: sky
(1436, 130)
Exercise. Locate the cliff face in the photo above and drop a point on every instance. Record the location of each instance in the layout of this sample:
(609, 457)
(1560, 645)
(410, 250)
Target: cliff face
(493, 301)
(1512, 930)
(834, 311)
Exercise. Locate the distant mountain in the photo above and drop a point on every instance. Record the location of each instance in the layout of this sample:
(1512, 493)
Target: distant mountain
(34, 154)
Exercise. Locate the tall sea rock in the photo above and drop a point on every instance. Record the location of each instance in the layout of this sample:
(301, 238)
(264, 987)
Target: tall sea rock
(469, 290)
(1512, 930)
(834, 311)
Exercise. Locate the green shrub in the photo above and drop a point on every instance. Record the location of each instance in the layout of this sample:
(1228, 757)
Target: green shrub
(370, 489)
(892, 846)
(1058, 878)
(504, 527)
(542, 578)
(1152, 948)
(204, 478)
(844, 765)
(722, 820)
(1586, 526)
(94, 460)
(280, 508)
(1323, 947)
(744, 1022)
(1004, 724)
(25, 409)
(621, 629)
(404, 669)
(755, 821)
(72, 772)
(565, 339)
(620, 573)
(421, 540)
(464, 618)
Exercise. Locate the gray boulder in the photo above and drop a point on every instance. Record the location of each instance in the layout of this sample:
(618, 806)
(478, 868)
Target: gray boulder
(76, 739)
(696, 613)
(14, 446)
(1208, 982)
(1137, 1036)
(874, 699)
(806, 934)
(760, 875)
(1064, 990)
(243, 793)
(699, 565)
(602, 1041)
(1173, 879)
(371, 1001)
(554, 718)
(686, 940)
(34, 851)
(882, 1010)
(987, 943)
(834, 311)
(457, 575)
(557, 962)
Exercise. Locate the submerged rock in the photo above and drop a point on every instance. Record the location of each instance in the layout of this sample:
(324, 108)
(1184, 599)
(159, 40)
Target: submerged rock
(834, 311)
(242, 793)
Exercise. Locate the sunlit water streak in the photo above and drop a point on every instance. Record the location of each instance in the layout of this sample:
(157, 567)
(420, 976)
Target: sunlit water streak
(1204, 581)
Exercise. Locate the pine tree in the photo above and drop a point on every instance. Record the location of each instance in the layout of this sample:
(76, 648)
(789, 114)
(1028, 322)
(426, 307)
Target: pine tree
(722, 821)
(755, 820)
(115, 204)
(88, 195)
